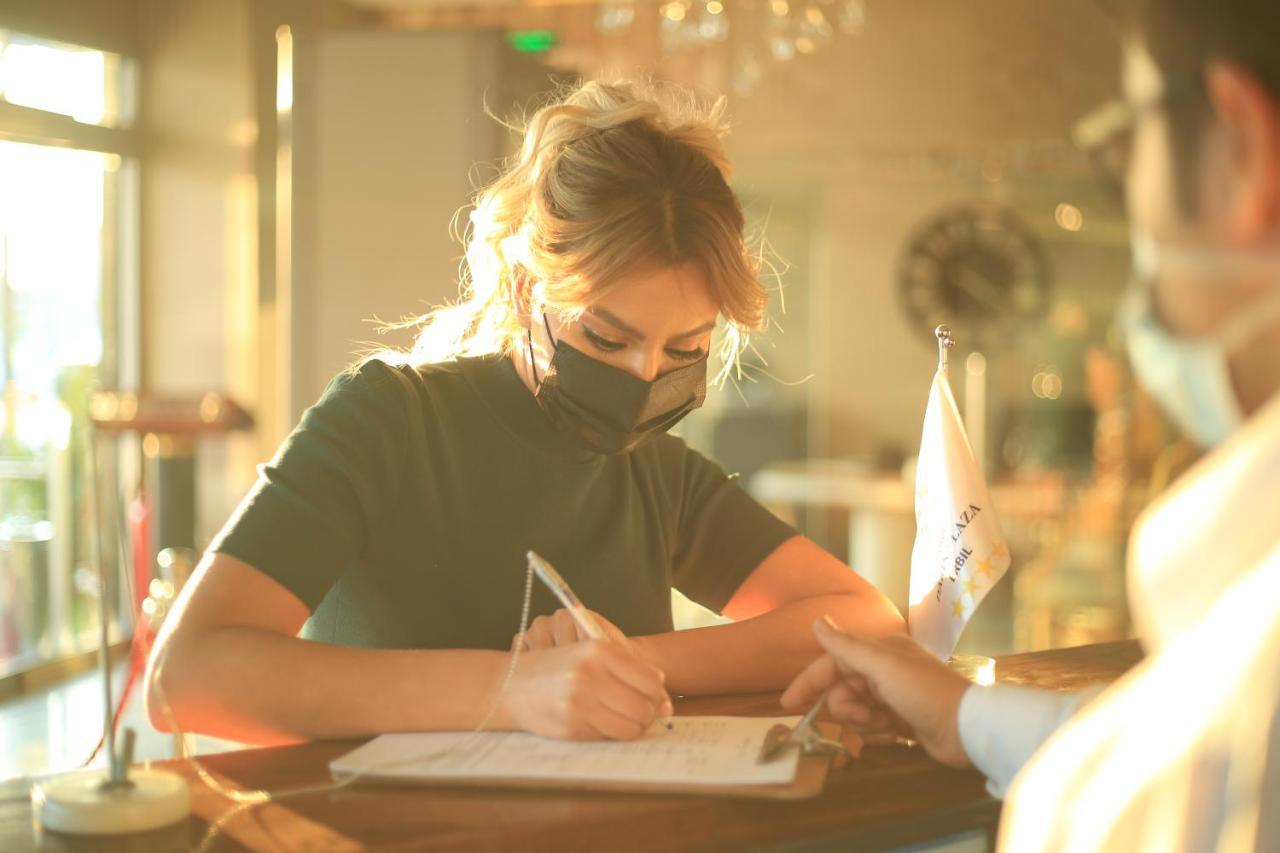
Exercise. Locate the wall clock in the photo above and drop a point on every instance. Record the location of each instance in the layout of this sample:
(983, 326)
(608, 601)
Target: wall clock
(978, 269)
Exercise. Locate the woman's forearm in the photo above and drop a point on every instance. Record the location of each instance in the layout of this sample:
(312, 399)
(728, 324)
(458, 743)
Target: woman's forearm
(256, 686)
(764, 652)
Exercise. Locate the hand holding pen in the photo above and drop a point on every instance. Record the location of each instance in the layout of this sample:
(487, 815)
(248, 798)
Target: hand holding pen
(561, 629)
(575, 623)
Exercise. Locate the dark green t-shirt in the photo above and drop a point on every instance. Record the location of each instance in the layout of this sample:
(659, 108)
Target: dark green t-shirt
(401, 507)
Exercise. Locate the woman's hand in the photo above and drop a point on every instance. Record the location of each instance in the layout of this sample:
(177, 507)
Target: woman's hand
(590, 690)
(885, 688)
(561, 629)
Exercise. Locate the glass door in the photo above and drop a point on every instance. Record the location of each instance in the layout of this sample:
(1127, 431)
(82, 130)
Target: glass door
(67, 193)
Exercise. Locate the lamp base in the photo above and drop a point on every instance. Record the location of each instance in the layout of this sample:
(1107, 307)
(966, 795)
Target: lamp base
(78, 803)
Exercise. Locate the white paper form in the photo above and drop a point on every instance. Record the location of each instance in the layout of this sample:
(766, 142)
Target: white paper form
(697, 751)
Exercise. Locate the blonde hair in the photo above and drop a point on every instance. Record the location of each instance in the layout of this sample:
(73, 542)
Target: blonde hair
(609, 176)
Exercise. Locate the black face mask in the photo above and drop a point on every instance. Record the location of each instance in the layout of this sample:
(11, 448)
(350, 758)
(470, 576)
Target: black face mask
(608, 410)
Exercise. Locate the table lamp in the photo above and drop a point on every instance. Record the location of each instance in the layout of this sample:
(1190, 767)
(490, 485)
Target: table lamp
(117, 799)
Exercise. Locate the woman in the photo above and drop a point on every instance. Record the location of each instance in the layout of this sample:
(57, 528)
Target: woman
(391, 527)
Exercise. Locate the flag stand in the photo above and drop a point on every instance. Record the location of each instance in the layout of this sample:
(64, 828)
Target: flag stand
(979, 669)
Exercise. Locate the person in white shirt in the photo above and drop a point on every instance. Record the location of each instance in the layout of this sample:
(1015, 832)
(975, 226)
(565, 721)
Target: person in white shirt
(1183, 753)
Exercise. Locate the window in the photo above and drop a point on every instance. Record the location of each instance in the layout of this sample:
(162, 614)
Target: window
(90, 86)
(68, 179)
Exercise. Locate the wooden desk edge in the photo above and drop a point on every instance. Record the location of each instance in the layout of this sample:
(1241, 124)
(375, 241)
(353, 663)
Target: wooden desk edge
(1052, 669)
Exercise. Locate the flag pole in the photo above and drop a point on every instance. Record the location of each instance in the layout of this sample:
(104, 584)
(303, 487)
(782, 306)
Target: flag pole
(945, 343)
(979, 669)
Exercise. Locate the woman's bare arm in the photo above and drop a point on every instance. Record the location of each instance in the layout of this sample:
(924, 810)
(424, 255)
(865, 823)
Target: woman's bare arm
(772, 638)
(230, 665)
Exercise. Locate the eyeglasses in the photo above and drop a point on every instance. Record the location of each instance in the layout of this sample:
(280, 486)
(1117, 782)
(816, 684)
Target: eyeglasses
(1105, 134)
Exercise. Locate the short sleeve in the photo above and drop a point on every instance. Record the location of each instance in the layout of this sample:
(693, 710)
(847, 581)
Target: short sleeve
(317, 503)
(723, 533)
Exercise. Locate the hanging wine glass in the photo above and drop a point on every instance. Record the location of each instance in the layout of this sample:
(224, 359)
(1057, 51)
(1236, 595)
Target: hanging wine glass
(815, 26)
(779, 33)
(747, 72)
(616, 16)
(851, 16)
(713, 22)
(678, 30)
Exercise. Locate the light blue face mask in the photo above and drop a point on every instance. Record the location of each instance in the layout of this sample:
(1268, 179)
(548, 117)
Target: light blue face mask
(1190, 378)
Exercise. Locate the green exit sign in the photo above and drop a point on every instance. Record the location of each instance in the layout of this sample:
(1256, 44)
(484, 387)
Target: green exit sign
(532, 41)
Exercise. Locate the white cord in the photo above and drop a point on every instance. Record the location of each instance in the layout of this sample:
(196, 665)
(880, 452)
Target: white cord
(255, 797)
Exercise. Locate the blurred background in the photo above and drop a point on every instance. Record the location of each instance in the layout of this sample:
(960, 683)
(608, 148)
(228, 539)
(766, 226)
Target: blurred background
(206, 206)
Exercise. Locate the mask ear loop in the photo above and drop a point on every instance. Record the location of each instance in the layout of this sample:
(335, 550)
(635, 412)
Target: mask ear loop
(533, 362)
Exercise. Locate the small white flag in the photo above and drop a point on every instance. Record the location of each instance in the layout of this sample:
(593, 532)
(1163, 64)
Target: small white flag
(960, 551)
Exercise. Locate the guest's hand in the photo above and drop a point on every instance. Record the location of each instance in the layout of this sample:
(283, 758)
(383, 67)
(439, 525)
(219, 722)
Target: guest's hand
(885, 688)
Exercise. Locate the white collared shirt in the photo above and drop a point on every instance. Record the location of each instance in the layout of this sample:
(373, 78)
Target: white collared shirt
(1183, 753)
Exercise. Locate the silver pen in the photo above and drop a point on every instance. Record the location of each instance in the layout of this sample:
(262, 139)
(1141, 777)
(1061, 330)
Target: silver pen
(560, 589)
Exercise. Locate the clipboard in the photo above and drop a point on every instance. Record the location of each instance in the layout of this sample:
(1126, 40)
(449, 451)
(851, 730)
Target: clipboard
(809, 780)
